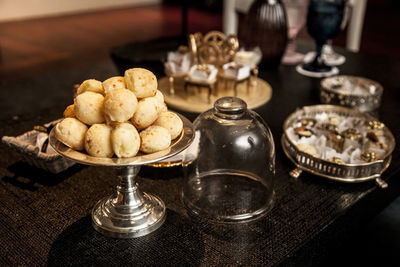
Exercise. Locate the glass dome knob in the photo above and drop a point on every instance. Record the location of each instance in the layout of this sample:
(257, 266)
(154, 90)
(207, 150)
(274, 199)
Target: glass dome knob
(228, 106)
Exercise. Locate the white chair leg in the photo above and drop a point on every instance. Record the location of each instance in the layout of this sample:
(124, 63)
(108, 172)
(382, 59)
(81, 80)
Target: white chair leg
(354, 30)
(229, 18)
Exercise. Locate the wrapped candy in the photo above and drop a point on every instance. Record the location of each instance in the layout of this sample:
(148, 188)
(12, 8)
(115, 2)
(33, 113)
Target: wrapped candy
(352, 137)
(339, 139)
(369, 156)
(335, 141)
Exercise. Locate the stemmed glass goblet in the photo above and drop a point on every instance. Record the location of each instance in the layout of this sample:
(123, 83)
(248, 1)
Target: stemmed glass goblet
(323, 23)
(296, 12)
(331, 57)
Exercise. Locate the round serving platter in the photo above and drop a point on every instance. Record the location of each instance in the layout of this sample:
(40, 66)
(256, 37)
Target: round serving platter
(197, 99)
(343, 172)
(177, 146)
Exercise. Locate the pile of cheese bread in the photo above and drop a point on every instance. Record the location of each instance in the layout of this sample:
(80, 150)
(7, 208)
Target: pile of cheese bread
(119, 116)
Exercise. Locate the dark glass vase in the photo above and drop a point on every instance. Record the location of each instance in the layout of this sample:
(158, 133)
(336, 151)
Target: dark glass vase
(264, 26)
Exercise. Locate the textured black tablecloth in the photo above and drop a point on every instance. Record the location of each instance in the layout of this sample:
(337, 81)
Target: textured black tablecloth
(45, 218)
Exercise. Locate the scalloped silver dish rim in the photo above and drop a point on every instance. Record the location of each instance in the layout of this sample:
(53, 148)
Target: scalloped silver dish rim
(325, 81)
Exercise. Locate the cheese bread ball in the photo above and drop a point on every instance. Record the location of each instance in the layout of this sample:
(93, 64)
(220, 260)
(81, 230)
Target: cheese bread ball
(119, 105)
(98, 141)
(159, 96)
(71, 132)
(91, 85)
(154, 138)
(146, 112)
(163, 107)
(125, 140)
(69, 112)
(141, 81)
(89, 108)
(171, 122)
(112, 83)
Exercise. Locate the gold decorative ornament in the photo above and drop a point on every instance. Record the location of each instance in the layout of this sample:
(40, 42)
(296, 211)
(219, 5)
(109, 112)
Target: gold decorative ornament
(307, 122)
(215, 37)
(375, 125)
(337, 160)
(352, 134)
(218, 50)
(369, 156)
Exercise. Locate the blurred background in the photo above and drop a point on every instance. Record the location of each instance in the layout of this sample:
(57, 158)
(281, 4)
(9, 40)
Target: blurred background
(42, 36)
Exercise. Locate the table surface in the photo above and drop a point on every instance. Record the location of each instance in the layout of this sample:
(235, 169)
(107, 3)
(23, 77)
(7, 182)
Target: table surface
(45, 218)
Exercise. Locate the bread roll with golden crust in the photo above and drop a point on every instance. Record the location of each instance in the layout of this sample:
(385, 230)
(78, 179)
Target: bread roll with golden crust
(154, 138)
(98, 141)
(88, 108)
(117, 82)
(125, 140)
(159, 95)
(142, 82)
(119, 105)
(171, 122)
(69, 112)
(163, 107)
(91, 85)
(71, 132)
(146, 113)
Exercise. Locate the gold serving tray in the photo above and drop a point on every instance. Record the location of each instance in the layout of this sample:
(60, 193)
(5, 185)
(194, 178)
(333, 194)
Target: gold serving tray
(343, 172)
(197, 99)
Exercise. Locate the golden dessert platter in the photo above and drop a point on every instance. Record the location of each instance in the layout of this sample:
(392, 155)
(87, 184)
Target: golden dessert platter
(210, 67)
(198, 99)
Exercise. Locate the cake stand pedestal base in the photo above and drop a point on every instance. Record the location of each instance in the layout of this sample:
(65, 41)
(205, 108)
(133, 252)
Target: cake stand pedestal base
(128, 212)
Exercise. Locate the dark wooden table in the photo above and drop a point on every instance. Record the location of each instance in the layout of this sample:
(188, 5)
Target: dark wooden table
(45, 217)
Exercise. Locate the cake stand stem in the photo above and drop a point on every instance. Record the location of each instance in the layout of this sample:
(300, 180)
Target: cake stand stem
(128, 212)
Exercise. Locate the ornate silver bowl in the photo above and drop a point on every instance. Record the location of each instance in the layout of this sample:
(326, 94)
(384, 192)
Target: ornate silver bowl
(351, 91)
(343, 172)
(128, 212)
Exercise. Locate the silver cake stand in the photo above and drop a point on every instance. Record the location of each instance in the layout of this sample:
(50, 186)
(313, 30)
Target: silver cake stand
(129, 212)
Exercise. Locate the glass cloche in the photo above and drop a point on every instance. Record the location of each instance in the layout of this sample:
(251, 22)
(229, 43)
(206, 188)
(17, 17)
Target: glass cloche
(229, 168)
